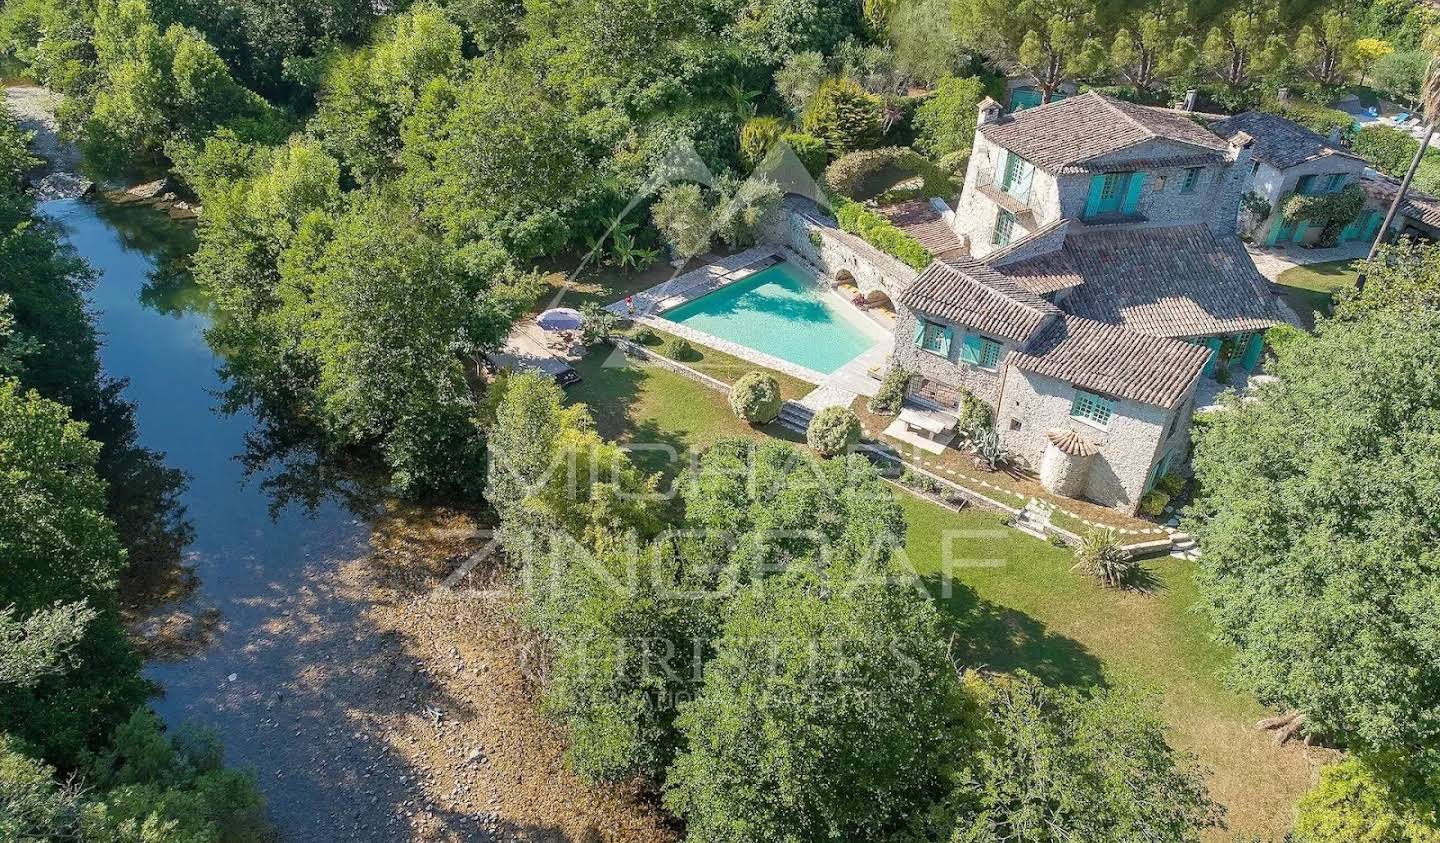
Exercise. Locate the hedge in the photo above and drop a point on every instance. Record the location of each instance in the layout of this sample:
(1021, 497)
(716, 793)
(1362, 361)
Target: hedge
(880, 233)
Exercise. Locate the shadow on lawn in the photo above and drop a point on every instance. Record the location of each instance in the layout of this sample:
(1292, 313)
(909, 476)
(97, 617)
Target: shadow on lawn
(991, 637)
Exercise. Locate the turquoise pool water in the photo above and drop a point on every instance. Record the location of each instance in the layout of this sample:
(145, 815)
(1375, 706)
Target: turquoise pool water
(780, 312)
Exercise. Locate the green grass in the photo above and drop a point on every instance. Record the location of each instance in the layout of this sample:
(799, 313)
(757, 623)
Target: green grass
(1015, 604)
(1310, 289)
(727, 367)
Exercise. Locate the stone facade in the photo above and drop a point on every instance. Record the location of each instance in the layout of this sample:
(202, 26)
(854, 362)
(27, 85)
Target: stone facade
(1274, 185)
(984, 384)
(1214, 199)
(1136, 438)
(838, 255)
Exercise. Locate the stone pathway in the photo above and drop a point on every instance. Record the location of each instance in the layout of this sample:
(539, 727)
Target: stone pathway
(1272, 260)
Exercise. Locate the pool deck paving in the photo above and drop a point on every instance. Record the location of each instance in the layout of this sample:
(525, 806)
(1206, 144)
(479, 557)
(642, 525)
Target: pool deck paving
(838, 388)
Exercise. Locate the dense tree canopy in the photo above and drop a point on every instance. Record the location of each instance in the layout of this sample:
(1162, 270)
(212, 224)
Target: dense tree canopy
(1318, 522)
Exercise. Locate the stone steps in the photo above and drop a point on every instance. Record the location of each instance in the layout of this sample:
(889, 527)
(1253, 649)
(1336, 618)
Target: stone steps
(796, 416)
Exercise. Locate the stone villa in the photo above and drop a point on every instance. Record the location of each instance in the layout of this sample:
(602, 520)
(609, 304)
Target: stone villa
(1091, 286)
(1097, 283)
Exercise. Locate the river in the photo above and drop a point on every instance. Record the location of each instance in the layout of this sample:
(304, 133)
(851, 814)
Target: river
(292, 674)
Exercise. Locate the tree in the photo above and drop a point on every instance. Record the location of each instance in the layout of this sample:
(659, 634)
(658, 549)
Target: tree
(1318, 520)
(1244, 44)
(740, 208)
(1327, 49)
(752, 509)
(368, 94)
(825, 714)
(844, 116)
(1386, 799)
(154, 88)
(1401, 75)
(1101, 555)
(1051, 765)
(1404, 275)
(1365, 52)
(945, 122)
(755, 397)
(513, 180)
(778, 29)
(392, 319)
(41, 643)
(926, 44)
(1052, 40)
(800, 78)
(684, 219)
(1153, 45)
(757, 136)
(833, 431)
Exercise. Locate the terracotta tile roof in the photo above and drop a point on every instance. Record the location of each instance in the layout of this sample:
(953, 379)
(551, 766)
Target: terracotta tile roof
(973, 295)
(1418, 207)
(1174, 281)
(1279, 142)
(919, 219)
(1113, 361)
(1065, 134)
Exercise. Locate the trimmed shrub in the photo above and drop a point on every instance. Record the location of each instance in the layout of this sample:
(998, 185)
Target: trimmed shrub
(809, 149)
(645, 336)
(833, 431)
(1100, 555)
(755, 397)
(679, 348)
(891, 394)
(975, 416)
(756, 137)
(1154, 503)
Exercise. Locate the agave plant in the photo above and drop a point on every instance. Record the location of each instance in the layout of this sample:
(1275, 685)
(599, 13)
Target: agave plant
(1101, 555)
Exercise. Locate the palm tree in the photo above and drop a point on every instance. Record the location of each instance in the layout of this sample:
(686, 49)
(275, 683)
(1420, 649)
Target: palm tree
(1430, 107)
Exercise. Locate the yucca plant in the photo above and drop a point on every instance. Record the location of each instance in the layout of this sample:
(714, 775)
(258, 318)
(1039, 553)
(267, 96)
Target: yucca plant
(1101, 555)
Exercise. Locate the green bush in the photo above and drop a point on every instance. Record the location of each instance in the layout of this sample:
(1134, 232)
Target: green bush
(1154, 503)
(645, 336)
(1171, 484)
(755, 397)
(1101, 555)
(1373, 799)
(955, 162)
(844, 116)
(891, 394)
(679, 348)
(848, 175)
(597, 323)
(809, 149)
(881, 233)
(757, 135)
(945, 121)
(1337, 209)
(833, 431)
(1316, 118)
(975, 416)
(1390, 150)
(1281, 337)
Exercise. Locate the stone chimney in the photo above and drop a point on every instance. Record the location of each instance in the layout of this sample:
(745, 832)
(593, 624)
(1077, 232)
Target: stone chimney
(1189, 102)
(1233, 184)
(989, 111)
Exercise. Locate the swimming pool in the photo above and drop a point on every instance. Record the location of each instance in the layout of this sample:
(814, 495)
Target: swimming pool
(779, 311)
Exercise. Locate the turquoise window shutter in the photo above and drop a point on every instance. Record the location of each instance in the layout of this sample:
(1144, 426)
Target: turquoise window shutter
(919, 332)
(945, 339)
(1132, 193)
(970, 351)
(1213, 343)
(1253, 351)
(1092, 204)
(1002, 169)
(1304, 185)
(1300, 228)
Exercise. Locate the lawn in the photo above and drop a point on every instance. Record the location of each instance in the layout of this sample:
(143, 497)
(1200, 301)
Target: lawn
(722, 366)
(1309, 289)
(1015, 603)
